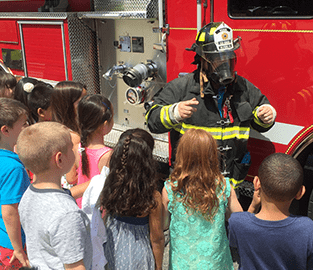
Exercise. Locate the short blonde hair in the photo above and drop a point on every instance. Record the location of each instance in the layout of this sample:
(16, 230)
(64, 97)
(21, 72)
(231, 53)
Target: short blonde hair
(38, 143)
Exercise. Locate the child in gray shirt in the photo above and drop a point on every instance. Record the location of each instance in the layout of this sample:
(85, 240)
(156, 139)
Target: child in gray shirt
(57, 231)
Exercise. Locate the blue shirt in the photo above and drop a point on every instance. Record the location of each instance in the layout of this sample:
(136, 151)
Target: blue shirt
(281, 245)
(14, 180)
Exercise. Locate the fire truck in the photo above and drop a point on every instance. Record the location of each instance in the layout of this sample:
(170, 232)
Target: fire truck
(128, 49)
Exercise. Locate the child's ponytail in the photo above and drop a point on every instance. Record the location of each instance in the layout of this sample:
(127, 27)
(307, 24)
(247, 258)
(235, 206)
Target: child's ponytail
(93, 111)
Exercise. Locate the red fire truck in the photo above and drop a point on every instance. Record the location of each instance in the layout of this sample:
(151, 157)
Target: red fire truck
(128, 49)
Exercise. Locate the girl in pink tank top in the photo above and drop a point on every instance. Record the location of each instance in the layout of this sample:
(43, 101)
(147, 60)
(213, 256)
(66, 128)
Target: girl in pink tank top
(95, 116)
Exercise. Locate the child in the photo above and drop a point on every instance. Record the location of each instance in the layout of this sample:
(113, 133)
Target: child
(90, 205)
(13, 183)
(23, 87)
(7, 84)
(133, 205)
(273, 238)
(95, 117)
(57, 231)
(196, 196)
(64, 101)
(39, 102)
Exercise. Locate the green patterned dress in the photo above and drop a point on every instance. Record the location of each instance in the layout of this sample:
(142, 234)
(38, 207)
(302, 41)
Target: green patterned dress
(196, 243)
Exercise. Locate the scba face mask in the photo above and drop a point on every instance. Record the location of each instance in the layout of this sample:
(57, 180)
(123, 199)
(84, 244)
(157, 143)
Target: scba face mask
(221, 67)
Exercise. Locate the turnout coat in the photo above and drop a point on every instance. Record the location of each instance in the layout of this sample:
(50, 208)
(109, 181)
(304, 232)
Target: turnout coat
(230, 126)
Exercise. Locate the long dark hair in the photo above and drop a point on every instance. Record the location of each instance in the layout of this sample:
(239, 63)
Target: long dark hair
(62, 103)
(93, 111)
(130, 186)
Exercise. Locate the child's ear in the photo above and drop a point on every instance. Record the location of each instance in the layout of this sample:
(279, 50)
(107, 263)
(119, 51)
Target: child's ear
(40, 112)
(300, 193)
(256, 183)
(5, 130)
(58, 158)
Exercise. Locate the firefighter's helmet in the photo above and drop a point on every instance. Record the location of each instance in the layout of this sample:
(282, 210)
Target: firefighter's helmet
(215, 37)
(215, 44)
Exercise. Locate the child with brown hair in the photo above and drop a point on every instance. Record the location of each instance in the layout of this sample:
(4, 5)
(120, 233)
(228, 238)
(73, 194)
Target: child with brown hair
(133, 206)
(195, 199)
(273, 238)
(95, 117)
(64, 102)
(7, 84)
(57, 231)
(14, 181)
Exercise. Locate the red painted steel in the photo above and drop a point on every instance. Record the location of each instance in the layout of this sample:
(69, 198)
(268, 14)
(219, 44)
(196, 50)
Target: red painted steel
(44, 51)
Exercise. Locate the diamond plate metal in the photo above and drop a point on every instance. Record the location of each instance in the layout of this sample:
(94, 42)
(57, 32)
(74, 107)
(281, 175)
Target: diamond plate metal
(134, 8)
(84, 54)
(246, 188)
(34, 15)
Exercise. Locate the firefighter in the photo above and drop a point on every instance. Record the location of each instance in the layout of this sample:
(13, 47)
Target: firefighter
(216, 99)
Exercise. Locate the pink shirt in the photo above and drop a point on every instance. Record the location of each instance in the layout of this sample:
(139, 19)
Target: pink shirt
(93, 156)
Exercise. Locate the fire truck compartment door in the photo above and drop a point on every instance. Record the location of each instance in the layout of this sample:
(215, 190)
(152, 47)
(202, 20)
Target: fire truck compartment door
(43, 49)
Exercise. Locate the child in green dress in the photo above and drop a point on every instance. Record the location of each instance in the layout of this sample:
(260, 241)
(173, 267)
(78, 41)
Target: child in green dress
(195, 199)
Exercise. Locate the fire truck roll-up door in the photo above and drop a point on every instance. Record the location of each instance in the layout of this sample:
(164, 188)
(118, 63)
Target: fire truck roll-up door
(277, 38)
(43, 48)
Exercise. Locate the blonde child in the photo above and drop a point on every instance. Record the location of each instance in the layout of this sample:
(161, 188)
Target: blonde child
(95, 117)
(13, 183)
(135, 238)
(196, 196)
(57, 231)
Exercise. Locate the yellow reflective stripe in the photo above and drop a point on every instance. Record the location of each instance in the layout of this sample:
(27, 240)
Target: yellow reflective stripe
(258, 121)
(164, 116)
(147, 114)
(241, 133)
(220, 133)
(235, 183)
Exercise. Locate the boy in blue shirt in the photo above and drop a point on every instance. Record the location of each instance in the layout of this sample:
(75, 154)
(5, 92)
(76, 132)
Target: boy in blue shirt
(274, 238)
(14, 181)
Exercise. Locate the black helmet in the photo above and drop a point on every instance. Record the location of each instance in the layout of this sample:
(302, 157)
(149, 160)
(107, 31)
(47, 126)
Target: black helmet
(215, 37)
(215, 44)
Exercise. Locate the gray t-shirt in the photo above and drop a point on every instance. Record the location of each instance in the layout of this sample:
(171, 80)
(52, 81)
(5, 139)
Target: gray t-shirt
(57, 231)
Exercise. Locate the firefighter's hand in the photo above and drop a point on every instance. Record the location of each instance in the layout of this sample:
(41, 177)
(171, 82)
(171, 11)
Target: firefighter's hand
(186, 108)
(265, 114)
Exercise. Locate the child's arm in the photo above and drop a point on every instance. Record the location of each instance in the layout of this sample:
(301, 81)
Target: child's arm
(166, 213)
(78, 190)
(12, 223)
(156, 231)
(75, 266)
(256, 202)
(105, 160)
(233, 204)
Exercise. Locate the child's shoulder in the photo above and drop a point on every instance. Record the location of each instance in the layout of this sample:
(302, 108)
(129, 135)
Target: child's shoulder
(241, 217)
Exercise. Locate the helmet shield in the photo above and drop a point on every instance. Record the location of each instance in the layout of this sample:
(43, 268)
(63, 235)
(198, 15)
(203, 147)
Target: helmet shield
(221, 67)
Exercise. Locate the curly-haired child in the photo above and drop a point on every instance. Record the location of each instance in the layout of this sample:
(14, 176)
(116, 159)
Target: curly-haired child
(135, 238)
(196, 196)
